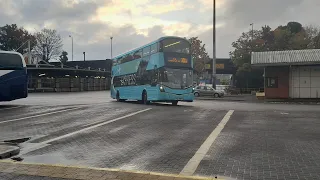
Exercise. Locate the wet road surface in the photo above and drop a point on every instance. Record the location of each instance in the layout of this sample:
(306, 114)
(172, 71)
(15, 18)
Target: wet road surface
(257, 141)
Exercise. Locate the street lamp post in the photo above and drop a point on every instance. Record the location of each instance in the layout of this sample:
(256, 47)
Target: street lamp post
(71, 45)
(251, 49)
(251, 32)
(214, 46)
(111, 45)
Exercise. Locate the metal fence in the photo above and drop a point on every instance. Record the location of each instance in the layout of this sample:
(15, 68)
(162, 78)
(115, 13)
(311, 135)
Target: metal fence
(232, 90)
(67, 84)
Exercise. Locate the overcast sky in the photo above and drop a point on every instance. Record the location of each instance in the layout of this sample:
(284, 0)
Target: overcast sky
(133, 23)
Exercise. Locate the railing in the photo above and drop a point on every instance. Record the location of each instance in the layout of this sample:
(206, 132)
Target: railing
(243, 90)
(67, 84)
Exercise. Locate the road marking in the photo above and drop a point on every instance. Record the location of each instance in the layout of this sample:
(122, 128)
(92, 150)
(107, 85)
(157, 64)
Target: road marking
(45, 143)
(39, 115)
(94, 126)
(194, 162)
(10, 108)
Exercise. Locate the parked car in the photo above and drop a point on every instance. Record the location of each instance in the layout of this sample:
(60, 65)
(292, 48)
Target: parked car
(208, 91)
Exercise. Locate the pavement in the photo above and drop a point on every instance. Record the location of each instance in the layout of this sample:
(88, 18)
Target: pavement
(203, 139)
(227, 97)
(253, 99)
(30, 171)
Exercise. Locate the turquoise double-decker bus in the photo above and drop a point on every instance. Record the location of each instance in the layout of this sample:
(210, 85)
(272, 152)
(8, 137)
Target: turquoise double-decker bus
(161, 71)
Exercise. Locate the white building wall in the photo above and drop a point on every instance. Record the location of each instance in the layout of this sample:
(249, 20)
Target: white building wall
(305, 82)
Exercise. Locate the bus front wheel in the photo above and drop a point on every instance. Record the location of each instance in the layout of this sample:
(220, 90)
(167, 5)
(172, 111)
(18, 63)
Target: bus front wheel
(145, 98)
(174, 103)
(118, 97)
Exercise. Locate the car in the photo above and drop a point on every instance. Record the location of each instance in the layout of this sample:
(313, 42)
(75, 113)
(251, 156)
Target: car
(207, 91)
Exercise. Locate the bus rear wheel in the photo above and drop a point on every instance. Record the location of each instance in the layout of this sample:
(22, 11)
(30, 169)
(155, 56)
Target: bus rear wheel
(145, 98)
(174, 103)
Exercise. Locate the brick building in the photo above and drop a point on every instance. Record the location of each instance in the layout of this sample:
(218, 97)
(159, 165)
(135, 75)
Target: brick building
(290, 74)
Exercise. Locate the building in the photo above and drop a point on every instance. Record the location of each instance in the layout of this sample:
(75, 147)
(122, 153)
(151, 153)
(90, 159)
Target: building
(225, 70)
(88, 75)
(290, 74)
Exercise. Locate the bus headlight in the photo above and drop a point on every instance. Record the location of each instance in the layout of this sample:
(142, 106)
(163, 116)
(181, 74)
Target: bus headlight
(161, 89)
(193, 90)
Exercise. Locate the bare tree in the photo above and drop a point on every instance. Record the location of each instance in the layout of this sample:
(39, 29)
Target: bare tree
(49, 44)
(313, 36)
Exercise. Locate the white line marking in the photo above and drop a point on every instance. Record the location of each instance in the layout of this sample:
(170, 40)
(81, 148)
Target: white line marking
(95, 126)
(45, 143)
(39, 115)
(194, 162)
(10, 108)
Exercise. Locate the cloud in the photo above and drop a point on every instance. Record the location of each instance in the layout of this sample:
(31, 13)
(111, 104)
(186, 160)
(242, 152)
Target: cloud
(208, 4)
(133, 23)
(165, 7)
(244, 12)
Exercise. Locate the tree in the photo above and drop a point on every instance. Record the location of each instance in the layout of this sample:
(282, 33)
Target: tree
(13, 38)
(199, 55)
(292, 36)
(262, 40)
(294, 27)
(49, 44)
(313, 36)
(63, 57)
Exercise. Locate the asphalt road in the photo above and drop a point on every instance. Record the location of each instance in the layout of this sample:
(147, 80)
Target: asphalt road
(207, 138)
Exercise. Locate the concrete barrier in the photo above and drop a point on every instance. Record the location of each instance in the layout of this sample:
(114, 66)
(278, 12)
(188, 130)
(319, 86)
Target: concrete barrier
(260, 95)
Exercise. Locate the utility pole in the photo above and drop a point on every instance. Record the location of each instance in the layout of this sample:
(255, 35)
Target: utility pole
(111, 46)
(71, 45)
(251, 33)
(84, 56)
(214, 47)
(247, 84)
(29, 52)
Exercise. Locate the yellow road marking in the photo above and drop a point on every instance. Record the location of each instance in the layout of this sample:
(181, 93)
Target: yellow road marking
(13, 167)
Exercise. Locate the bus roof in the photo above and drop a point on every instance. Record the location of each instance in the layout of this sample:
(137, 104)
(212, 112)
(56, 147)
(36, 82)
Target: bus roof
(135, 49)
(17, 53)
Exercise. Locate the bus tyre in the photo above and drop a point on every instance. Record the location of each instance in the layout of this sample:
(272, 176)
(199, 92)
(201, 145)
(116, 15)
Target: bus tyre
(216, 95)
(118, 96)
(145, 98)
(196, 94)
(174, 103)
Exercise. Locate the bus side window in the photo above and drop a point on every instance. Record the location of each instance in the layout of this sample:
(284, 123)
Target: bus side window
(127, 58)
(154, 48)
(137, 54)
(146, 51)
(160, 46)
(119, 60)
(142, 75)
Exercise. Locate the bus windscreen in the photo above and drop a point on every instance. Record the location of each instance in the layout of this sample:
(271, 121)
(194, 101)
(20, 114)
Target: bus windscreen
(175, 45)
(10, 61)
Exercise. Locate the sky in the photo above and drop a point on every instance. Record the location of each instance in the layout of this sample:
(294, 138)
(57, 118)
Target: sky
(133, 23)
